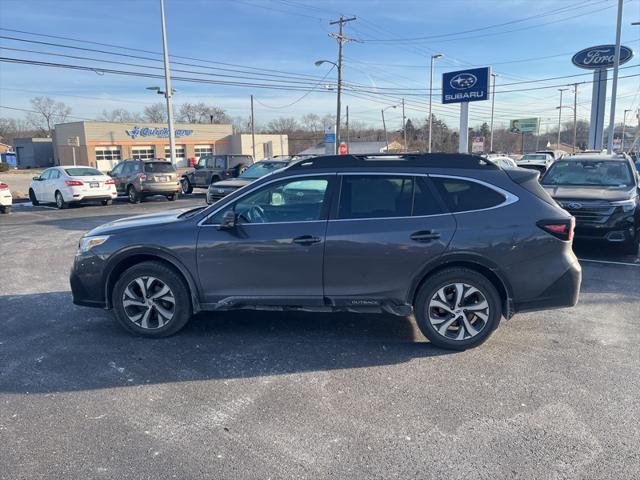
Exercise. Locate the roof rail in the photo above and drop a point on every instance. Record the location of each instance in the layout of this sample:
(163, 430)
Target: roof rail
(434, 160)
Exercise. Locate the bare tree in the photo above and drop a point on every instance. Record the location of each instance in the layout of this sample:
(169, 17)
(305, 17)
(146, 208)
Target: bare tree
(156, 113)
(46, 114)
(311, 123)
(283, 125)
(202, 113)
(120, 115)
(12, 128)
(242, 125)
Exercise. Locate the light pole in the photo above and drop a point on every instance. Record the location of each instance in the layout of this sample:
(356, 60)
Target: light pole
(384, 125)
(560, 116)
(493, 102)
(168, 91)
(624, 126)
(433, 58)
(614, 85)
(339, 88)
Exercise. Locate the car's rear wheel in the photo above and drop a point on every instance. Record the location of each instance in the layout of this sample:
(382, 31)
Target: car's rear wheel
(134, 197)
(185, 186)
(107, 201)
(5, 209)
(172, 197)
(32, 197)
(60, 203)
(457, 308)
(152, 300)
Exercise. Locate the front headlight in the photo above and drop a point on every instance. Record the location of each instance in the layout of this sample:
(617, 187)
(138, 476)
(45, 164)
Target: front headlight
(627, 205)
(87, 243)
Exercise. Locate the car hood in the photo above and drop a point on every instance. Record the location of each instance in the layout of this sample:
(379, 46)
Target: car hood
(232, 183)
(139, 221)
(612, 194)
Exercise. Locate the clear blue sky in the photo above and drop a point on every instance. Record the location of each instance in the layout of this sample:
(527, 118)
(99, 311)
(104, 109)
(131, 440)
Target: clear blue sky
(289, 35)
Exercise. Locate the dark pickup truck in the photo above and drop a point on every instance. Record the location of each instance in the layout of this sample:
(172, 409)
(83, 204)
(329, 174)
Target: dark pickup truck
(213, 168)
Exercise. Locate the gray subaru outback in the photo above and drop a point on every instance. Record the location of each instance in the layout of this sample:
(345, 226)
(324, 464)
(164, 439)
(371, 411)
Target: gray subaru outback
(450, 238)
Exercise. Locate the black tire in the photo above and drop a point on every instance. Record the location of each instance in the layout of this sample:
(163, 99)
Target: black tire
(178, 288)
(133, 195)
(631, 247)
(6, 209)
(32, 197)
(442, 280)
(173, 197)
(107, 202)
(60, 203)
(186, 186)
(241, 169)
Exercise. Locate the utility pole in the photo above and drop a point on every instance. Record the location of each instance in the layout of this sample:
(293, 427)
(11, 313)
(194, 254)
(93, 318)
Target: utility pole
(347, 128)
(404, 128)
(253, 131)
(575, 115)
(384, 126)
(433, 58)
(168, 92)
(560, 116)
(493, 102)
(341, 40)
(614, 86)
(624, 126)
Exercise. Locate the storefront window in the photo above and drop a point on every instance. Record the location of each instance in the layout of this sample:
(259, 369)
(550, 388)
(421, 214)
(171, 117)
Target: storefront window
(143, 153)
(179, 151)
(108, 153)
(200, 150)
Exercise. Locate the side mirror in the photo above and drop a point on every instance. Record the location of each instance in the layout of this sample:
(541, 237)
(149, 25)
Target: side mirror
(37, 179)
(228, 221)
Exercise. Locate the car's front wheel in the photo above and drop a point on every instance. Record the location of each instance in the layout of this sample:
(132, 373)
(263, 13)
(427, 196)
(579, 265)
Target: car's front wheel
(32, 197)
(457, 308)
(185, 186)
(152, 300)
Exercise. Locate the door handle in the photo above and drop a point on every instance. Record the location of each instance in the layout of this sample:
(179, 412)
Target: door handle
(306, 240)
(425, 236)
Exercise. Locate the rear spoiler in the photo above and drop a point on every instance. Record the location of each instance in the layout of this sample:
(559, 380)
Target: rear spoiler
(530, 181)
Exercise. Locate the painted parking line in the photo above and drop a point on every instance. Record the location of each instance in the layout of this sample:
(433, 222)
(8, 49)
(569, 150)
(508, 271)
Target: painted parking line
(610, 262)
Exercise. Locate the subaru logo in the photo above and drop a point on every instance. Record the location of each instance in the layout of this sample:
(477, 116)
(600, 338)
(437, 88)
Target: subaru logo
(574, 206)
(462, 81)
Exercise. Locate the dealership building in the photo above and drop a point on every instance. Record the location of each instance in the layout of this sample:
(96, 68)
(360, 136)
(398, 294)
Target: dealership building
(103, 144)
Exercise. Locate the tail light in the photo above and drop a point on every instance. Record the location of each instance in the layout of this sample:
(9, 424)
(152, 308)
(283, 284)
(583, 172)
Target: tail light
(110, 181)
(73, 183)
(227, 173)
(142, 177)
(562, 229)
(3, 186)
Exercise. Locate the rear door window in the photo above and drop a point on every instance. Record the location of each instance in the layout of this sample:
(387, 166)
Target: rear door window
(424, 201)
(220, 162)
(465, 195)
(375, 196)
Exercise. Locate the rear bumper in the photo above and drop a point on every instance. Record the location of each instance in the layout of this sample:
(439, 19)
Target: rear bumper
(160, 188)
(564, 292)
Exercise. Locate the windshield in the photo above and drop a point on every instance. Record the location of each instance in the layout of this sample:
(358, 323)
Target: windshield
(534, 157)
(589, 173)
(260, 169)
(159, 167)
(82, 172)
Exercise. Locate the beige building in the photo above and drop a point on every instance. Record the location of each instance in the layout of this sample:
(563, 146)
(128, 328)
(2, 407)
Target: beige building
(103, 144)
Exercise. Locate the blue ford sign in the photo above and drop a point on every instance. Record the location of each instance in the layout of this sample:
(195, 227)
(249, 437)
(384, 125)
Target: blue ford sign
(465, 85)
(601, 56)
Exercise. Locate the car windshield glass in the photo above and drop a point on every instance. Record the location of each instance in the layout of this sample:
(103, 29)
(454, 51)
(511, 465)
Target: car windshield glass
(534, 157)
(260, 169)
(82, 172)
(589, 173)
(158, 167)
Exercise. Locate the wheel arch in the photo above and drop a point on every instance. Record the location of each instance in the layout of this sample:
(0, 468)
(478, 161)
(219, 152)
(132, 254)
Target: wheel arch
(125, 260)
(473, 262)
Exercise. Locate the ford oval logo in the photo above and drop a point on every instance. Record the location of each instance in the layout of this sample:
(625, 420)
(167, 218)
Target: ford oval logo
(574, 206)
(602, 56)
(462, 81)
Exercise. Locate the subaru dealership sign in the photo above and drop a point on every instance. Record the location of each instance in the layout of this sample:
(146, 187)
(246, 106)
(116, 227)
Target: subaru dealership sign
(469, 85)
(601, 56)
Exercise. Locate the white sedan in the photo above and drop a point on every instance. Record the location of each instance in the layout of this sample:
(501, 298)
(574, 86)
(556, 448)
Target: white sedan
(6, 200)
(503, 161)
(65, 185)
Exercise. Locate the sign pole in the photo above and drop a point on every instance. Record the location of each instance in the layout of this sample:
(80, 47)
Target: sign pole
(614, 86)
(598, 97)
(463, 145)
(73, 152)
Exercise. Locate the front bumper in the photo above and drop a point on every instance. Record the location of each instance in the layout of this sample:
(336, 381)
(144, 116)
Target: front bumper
(87, 282)
(214, 196)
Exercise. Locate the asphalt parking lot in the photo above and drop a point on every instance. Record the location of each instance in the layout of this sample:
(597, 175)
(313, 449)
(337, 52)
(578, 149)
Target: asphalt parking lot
(551, 395)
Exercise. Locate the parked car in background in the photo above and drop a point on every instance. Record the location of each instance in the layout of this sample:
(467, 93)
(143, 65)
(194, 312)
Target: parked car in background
(138, 179)
(601, 192)
(222, 188)
(556, 154)
(536, 161)
(66, 184)
(6, 200)
(213, 168)
(502, 161)
(449, 237)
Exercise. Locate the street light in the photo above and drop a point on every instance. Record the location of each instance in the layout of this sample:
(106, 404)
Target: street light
(317, 63)
(493, 102)
(433, 58)
(384, 125)
(560, 116)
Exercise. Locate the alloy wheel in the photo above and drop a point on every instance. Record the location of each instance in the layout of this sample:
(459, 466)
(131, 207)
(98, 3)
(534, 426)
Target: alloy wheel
(148, 302)
(458, 311)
